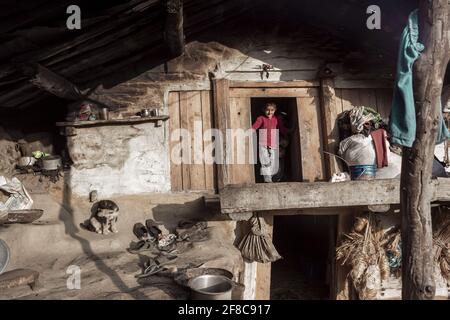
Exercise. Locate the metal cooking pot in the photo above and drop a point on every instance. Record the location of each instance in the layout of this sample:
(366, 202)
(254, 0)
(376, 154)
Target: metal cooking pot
(26, 161)
(210, 287)
(51, 163)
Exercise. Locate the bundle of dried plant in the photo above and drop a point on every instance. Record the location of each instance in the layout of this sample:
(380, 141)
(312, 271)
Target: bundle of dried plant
(441, 240)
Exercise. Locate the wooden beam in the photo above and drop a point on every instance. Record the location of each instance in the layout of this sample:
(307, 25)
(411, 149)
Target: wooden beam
(416, 191)
(51, 82)
(363, 84)
(271, 92)
(274, 84)
(300, 195)
(174, 33)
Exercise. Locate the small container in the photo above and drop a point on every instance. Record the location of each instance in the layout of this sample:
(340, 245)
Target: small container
(145, 113)
(363, 172)
(104, 114)
(93, 196)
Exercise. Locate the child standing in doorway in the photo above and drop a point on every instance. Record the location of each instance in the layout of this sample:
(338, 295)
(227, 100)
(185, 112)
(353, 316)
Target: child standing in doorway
(269, 125)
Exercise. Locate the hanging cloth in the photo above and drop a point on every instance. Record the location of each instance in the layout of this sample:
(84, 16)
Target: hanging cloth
(381, 150)
(402, 122)
(256, 244)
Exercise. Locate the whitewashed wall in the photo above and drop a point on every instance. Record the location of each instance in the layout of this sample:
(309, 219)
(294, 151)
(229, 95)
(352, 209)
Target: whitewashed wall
(126, 159)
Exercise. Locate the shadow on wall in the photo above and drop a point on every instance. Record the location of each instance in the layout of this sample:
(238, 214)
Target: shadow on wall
(71, 229)
(171, 214)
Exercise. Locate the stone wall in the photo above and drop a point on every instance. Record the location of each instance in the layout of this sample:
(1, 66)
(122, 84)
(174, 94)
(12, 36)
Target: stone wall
(125, 159)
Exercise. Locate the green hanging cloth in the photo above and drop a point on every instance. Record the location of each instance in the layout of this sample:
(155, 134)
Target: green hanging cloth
(402, 121)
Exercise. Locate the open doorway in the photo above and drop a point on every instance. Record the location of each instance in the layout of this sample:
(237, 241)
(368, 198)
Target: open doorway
(290, 163)
(307, 244)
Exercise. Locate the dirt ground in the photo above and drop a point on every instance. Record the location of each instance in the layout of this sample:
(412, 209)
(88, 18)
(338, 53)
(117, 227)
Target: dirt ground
(55, 242)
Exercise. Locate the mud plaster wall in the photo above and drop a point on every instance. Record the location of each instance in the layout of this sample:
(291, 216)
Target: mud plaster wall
(127, 159)
(8, 153)
(295, 55)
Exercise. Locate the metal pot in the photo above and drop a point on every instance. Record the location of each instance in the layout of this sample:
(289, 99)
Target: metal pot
(51, 163)
(145, 113)
(210, 287)
(27, 161)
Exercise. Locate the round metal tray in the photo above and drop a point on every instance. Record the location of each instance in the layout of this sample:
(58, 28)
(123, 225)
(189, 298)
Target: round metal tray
(4, 255)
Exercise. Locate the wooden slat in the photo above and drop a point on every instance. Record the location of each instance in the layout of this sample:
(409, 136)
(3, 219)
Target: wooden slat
(339, 104)
(368, 98)
(329, 111)
(194, 119)
(240, 118)
(384, 102)
(221, 116)
(272, 92)
(298, 195)
(274, 84)
(207, 124)
(350, 99)
(176, 177)
(310, 139)
(362, 84)
(184, 124)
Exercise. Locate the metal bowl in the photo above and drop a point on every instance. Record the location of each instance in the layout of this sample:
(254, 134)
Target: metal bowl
(4, 255)
(211, 287)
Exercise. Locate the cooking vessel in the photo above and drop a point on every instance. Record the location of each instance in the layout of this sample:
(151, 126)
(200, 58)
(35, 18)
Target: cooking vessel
(51, 163)
(26, 161)
(4, 255)
(210, 287)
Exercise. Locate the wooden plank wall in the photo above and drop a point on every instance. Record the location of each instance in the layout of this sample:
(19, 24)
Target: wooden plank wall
(311, 140)
(188, 109)
(378, 99)
(240, 117)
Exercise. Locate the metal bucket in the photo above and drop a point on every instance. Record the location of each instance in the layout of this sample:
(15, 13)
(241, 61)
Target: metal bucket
(210, 287)
(363, 172)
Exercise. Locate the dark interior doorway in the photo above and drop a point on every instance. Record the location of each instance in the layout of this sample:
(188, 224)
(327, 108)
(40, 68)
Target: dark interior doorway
(290, 164)
(306, 243)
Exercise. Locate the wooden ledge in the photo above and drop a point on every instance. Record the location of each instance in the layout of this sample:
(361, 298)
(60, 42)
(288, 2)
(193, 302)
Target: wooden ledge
(93, 123)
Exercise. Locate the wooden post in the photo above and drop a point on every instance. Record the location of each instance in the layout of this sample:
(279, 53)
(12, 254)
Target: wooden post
(329, 126)
(429, 70)
(174, 34)
(221, 119)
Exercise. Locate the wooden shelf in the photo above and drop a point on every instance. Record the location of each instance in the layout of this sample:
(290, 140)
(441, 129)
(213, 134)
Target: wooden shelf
(111, 122)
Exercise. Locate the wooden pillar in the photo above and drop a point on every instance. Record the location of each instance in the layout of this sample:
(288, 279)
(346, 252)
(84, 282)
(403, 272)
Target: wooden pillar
(342, 284)
(329, 125)
(416, 192)
(174, 33)
(264, 270)
(221, 120)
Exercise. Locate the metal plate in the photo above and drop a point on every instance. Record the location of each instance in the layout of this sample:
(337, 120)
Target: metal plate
(4, 255)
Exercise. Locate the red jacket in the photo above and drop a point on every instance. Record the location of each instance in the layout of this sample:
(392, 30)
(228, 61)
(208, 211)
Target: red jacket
(268, 136)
